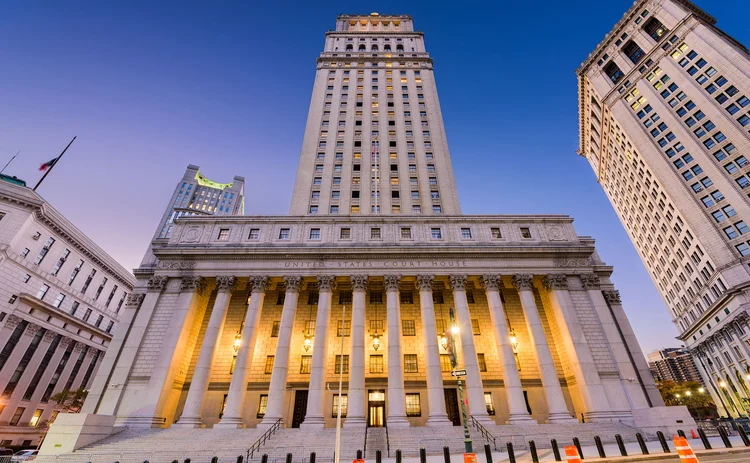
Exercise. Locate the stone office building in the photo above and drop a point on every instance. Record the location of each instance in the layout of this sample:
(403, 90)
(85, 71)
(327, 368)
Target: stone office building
(249, 321)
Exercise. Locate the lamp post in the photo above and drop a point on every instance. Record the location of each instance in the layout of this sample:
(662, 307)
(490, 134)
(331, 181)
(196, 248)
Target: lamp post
(449, 334)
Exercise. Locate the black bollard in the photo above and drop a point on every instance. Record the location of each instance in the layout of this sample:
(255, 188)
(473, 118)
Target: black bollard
(704, 439)
(312, 457)
(621, 444)
(577, 443)
(398, 456)
(239, 459)
(532, 450)
(146, 461)
(187, 460)
(724, 437)
(662, 441)
(215, 459)
(175, 461)
(288, 458)
(264, 458)
(378, 456)
(511, 454)
(681, 433)
(555, 450)
(743, 435)
(599, 447)
(422, 455)
(359, 454)
(642, 443)
(488, 453)
(447, 454)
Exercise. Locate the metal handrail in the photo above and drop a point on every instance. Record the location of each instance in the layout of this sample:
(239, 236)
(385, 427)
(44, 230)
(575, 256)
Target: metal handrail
(364, 446)
(484, 432)
(387, 441)
(262, 439)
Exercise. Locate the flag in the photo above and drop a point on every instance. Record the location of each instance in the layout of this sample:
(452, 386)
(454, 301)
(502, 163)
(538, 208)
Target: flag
(48, 164)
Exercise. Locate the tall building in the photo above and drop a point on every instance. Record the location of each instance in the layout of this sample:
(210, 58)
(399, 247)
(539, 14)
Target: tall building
(61, 297)
(250, 321)
(197, 195)
(664, 117)
(674, 364)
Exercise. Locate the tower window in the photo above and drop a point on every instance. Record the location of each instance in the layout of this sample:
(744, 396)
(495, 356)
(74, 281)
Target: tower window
(613, 71)
(655, 29)
(634, 52)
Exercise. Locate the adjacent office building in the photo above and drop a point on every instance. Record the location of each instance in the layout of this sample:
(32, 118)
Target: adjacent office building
(674, 364)
(664, 112)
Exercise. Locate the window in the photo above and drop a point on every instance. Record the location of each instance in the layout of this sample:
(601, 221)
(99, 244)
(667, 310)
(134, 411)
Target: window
(254, 234)
(475, 326)
(262, 405)
(223, 234)
(43, 252)
(408, 328)
(305, 364)
(284, 234)
(315, 233)
(466, 233)
(436, 234)
(313, 209)
(488, 403)
(375, 233)
(406, 297)
(741, 227)
(437, 296)
(410, 363)
(86, 315)
(405, 233)
(445, 363)
(613, 71)
(413, 406)
(633, 51)
(25, 252)
(74, 307)
(59, 300)
(16, 416)
(655, 29)
(343, 327)
(376, 364)
(344, 405)
(42, 292)
(345, 298)
(345, 233)
(276, 326)
(525, 232)
(339, 365)
(496, 234)
(269, 365)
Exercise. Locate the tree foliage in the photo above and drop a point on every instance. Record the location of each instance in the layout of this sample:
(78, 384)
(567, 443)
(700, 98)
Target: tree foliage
(700, 404)
(68, 401)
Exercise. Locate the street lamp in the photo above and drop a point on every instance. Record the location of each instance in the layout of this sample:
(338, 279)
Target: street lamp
(688, 393)
(513, 339)
(237, 342)
(452, 352)
(701, 390)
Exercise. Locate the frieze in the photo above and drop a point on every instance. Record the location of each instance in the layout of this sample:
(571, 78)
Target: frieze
(434, 264)
(571, 262)
(176, 264)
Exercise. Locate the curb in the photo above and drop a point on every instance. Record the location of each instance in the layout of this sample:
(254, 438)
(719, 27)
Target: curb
(671, 456)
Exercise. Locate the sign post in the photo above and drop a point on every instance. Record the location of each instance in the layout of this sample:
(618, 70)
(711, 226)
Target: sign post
(458, 374)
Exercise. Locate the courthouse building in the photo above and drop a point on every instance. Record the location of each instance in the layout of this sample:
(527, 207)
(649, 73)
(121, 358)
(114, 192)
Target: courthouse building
(664, 111)
(248, 321)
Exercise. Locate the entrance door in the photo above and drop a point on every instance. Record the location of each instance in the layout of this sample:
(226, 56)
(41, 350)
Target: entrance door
(300, 408)
(376, 408)
(451, 406)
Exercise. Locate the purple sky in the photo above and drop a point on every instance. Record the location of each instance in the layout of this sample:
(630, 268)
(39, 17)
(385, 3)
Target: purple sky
(149, 87)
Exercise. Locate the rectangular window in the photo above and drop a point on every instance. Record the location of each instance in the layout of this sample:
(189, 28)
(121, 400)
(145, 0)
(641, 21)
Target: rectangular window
(408, 328)
(406, 297)
(338, 367)
(496, 234)
(86, 315)
(305, 364)
(284, 234)
(223, 234)
(42, 292)
(315, 233)
(525, 232)
(343, 327)
(375, 233)
(275, 328)
(488, 403)
(344, 405)
(410, 363)
(413, 406)
(59, 300)
(345, 233)
(613, 71)
(482, 363)
(376, 364)
(405, 233)
(262, 406)
(436, 233)
(269, 365)
(43, 252)
(466, 233)
(254, 234)
(634, 52)
(445, 363)
(475, 327)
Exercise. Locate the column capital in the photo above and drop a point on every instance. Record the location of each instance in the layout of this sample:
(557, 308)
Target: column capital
(157, 283)
(457, 282)
(31, 329)
(612, 296)
(134, 300)
(226, 284)
(326, 283)
(78, 347)
(259, 283)
(523, 281)
(555, 281)
(13, 322)
(359, 282)
(590, 280)
(392, 282)
(193, 283)
(90, 352)
(49, 336)
(490, 282)
(424, 282)
(293, 283)
(65, 342)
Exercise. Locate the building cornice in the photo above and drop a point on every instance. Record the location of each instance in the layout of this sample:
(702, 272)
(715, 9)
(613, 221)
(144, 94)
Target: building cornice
(711, 311)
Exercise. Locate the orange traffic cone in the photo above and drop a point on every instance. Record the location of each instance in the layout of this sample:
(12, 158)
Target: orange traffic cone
(684, 451)
(692, 431)
(571, 452)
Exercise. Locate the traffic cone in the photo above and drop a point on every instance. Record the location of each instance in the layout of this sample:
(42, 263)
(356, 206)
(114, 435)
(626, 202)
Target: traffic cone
(692, 431)
(571, 453)
(684, 451)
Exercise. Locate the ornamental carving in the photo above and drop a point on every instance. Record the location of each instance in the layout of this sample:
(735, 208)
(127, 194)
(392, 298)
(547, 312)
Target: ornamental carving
(260, 284)
(176, 264)
(134, 299)
(49, 336)
(612, 296)
(570, 262)
(555, 281)
(326, 283)
(523, 281)
(157, 283)
(192, 234)
(590, 280)
(65, 342)
(78, 347)
(31, 329)
(359, 282)
(226, 284)
(293, 284)
(90, 353)
(424, 282)
(457, 282)
(193, 283)
(490, 282)
(12, 322)
(392, 282)
(556, 233)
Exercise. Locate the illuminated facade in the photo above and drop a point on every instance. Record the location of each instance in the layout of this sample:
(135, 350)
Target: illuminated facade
(664, 117)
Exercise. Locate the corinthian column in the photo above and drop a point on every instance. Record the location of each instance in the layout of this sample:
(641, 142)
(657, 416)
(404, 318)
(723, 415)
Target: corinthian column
(396, 395)
(191, 413)
(355, 416)
(314, 416)
(519, 414)
(435, 393)
(558, 410)
(232, 417)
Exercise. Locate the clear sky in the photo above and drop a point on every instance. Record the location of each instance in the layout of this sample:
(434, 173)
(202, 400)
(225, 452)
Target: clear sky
(149, 87)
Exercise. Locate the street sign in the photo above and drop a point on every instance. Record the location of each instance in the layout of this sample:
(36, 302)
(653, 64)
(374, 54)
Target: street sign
(458, 373)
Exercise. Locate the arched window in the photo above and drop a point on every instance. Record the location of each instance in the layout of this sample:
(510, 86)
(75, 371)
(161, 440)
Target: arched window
(399, 48)
(387, 47)
(374, 48)
(362, 47)
(349, 47)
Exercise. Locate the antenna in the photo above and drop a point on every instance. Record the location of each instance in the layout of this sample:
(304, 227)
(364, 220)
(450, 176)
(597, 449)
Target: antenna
(11, 160)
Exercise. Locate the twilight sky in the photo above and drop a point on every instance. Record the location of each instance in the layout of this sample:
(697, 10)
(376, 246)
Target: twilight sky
(149, 87)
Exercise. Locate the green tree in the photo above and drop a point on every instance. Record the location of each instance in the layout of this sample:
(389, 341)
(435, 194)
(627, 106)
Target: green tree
(68, 401)
(690, 394)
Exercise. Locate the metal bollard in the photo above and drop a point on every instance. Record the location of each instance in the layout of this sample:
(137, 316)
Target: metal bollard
(215, 459)
(621, 444)
(599, 447)
(175, 461)
(511, 454)
(288, 458)
(398, 456)
(681, 433)
(312, 457)
(264, 458)
(577, 443)
(743, 435)
(555, 450)
(187, 460)
(422, 455)
(378, 456)
(662, 441)
(239, 459)
(446, 454)
(642, 443)
(488, 453)
(724, 437)
(359, 454)
(704, 439)
(532, 450)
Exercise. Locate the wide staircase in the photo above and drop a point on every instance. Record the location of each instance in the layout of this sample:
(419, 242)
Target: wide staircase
(301, 442)
(377, 439)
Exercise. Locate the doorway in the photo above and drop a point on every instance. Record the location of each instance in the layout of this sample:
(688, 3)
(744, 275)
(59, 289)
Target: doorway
(451, 406)
(300, 408)
(376, 408)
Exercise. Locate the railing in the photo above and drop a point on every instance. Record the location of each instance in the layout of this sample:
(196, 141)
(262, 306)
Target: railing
(387, 441)
(262, 439)
(484, 432)
(364, 446)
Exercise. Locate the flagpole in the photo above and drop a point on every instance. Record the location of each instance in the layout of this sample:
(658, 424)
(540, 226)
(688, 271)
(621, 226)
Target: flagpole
(55, 163)
(11, 160)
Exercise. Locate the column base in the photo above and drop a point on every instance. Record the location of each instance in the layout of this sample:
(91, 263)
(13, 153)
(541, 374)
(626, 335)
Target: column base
(189, 422)
(398, 422)
(355, 422)
(439, 420)
(521, 418)
(561, 417)
(315, 422)
(141, 421)
(230, 422)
